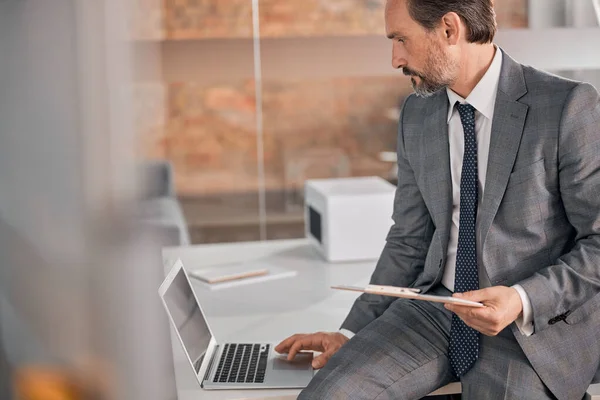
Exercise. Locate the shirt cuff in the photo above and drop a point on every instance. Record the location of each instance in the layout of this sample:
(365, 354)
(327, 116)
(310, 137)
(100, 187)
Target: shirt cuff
(346, 333)
(525, 321)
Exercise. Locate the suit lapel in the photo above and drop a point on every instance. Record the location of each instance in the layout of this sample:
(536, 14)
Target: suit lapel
(507, 130)
(437, 164)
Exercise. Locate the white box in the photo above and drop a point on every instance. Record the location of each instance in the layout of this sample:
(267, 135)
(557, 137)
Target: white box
(348, 219)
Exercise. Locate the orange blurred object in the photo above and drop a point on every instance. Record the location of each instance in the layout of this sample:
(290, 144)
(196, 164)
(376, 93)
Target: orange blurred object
(46, 383)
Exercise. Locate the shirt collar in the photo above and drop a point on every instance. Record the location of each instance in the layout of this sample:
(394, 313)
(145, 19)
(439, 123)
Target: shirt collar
(483, 96)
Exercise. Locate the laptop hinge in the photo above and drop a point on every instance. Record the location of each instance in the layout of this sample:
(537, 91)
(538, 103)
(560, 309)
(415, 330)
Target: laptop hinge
(209, 367)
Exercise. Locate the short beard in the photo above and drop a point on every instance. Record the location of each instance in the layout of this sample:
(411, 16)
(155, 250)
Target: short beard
(439, 73)
(427, 87)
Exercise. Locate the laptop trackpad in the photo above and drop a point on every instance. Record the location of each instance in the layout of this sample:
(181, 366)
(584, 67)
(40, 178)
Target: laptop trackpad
(301, 362)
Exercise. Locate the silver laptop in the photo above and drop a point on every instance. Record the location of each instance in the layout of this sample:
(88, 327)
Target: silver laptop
(242, 365)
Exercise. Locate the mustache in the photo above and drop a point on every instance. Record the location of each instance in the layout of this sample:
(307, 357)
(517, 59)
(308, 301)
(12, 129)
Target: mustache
(409, 72)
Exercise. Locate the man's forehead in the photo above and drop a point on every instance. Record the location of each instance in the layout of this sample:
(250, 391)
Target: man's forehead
(396, 11)
(395, 5)
(396, 15)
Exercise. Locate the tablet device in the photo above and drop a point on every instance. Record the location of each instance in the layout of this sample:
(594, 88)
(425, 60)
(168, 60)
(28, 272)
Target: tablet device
(408, 293)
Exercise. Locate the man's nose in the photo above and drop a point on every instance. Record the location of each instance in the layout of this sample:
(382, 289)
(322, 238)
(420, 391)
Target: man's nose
(398, 63)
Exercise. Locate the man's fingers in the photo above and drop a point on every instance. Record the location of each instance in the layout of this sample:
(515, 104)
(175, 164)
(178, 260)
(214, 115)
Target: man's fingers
(474, 295)
(458, 309)
(471, 312)
(284, 345)
(480, 323)
(480, 316)
(467, 314)
(309, 342)
(479, 327)
(320, 361)
(499, 311)
(296, 347)
(473, 323)
(322, 342)
(287, 343)
(450, 307)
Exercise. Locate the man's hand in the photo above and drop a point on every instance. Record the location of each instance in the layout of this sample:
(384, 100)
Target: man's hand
(502, 306)
(325, 342)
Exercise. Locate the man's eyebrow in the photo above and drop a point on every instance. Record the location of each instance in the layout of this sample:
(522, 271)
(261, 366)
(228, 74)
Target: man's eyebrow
(394, 35)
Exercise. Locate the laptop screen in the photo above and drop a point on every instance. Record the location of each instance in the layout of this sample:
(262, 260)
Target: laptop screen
(188, 318)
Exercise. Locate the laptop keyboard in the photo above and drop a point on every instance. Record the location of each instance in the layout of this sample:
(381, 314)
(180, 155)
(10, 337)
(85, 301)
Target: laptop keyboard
(242, 363)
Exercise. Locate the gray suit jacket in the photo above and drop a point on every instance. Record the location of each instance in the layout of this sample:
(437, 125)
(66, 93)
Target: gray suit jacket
(539, 223)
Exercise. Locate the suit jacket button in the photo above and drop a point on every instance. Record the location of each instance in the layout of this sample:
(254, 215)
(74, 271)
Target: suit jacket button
(563, 317)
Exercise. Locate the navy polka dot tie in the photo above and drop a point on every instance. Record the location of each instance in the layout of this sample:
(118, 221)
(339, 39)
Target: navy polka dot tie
(464, 341)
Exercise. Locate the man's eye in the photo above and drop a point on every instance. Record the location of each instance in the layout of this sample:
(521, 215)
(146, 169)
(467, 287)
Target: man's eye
(400, 40)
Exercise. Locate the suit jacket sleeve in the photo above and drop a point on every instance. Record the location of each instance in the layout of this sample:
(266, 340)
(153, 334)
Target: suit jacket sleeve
(407, 242)
(574, 279)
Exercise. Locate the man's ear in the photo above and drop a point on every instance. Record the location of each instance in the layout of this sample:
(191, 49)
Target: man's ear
(453, 28)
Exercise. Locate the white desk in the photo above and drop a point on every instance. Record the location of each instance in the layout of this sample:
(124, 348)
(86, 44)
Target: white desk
(268, 311)
(593, 392)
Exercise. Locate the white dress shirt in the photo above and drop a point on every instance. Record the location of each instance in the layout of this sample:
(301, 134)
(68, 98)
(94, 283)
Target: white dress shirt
(483, 99)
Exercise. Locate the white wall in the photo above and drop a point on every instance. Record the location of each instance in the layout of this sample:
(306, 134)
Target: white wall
(572, 14)
(547, 13)
(582, 14)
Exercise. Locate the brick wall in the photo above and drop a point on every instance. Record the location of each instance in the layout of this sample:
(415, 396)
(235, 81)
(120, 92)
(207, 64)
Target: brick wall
(312, 128)
(186, 19)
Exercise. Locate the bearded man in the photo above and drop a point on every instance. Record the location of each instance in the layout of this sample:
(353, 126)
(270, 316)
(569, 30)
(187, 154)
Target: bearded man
(498, 201)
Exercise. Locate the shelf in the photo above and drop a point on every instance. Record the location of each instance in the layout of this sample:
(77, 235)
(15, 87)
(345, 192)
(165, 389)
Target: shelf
(553, 49)
(294, 59)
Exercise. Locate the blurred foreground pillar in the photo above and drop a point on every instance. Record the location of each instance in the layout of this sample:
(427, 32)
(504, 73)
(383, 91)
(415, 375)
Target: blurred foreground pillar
(78, 272)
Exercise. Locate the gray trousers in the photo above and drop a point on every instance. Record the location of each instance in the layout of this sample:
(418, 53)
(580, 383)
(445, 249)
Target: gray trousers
(404, 355)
